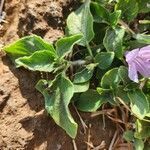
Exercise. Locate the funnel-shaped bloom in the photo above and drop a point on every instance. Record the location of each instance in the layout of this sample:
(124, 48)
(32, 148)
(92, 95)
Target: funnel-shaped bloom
(138, 62)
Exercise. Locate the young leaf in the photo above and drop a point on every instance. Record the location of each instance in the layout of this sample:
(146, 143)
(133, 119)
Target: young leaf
(128, 136)
(129, 9)
(65, 45)
(113, 41)
(57, 101)
(38, 61)
(84, 75)
(27, 46)
(104, 59)
(81, 87)
(41, 85)
(89, 101)
(107, 95)
(100, 13)
(102, 91)
(114, 17)
(81, 22)
(142, 129)
(111, 79)
(142, 38)
(139, 144)
(139, 103)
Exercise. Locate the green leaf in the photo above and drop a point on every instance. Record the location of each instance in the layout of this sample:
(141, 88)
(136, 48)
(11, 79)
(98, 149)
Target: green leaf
(111, 79)
(27, 46)
(84, 75)
(107, 95)
(113, 41)
(65, 45)
(114, 17)
(128, 136)
(100, 13)
(142, 129)
(42, 85)
(57, 101)
(81, 22)
(142, 38)
(139, 144)
(38, 61)
(123, 73)
(130, 86)
(129, 9)
(101, 90)
(139, 103)
(134, 44)
(144, 6)
(121, 93)
(104, 59)
(81, 87)
(89, 101)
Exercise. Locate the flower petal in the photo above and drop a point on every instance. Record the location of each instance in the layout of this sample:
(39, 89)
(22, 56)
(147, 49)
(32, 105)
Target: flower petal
(132, 72)
(142, 67)
(145, 48)
(145, 52)
(131, 55)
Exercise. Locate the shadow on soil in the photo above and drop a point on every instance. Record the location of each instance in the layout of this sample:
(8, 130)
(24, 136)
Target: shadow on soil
(47, 135)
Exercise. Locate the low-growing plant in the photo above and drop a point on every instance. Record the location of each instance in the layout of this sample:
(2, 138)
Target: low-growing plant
(94, 64)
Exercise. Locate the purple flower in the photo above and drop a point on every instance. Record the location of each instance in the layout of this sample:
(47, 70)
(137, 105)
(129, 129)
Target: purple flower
(139, 62)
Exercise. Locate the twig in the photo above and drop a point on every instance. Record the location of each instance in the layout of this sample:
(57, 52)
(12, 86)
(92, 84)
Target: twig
(74, 145)
(116, 142)
(125, 145)
(113, 141)
(90, 144)
(115, 119)
(105, 112)
(104, 121)
(126, 26)
(81, 120)
(1, 7)
(89, 138)
(101, 146)
(122, 102)
(130, 110)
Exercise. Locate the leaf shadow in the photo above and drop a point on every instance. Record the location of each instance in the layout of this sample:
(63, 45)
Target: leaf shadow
(27, 81)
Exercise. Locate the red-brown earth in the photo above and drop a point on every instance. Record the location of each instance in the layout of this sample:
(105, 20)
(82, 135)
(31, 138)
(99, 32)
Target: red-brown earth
(24, 124)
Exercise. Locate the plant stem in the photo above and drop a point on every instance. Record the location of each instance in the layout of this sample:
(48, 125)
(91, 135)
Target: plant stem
(126, 27)
(144, 21)
(143, 83)
(79, 62)
(74, 145)
(89, 49)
